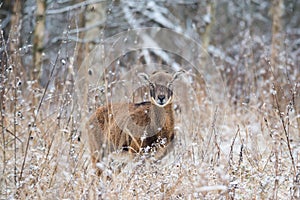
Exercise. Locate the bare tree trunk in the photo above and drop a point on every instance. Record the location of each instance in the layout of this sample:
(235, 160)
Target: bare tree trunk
(93, 22)
(38, 41)
(15, 26)
(209, 21)
(277, 11)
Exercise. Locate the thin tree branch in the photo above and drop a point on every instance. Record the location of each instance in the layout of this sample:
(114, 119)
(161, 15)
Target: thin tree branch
(73, 7)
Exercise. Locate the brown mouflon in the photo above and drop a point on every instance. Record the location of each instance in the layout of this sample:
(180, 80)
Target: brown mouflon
(146, 127)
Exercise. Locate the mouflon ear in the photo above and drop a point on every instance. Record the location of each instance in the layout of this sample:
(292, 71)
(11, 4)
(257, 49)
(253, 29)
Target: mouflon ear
(176, 75)
(144, 77)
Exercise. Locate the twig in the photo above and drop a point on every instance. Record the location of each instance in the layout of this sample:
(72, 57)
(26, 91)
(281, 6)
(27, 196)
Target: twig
(36, 113)
(2, 103)
(276, 181)
(231, 147)
(212, 133)
(294, 94)
(87, 28)
(76, 39)
(282, 119)
(10, 132)
(287, 135)
(241, 153)
(15, 131)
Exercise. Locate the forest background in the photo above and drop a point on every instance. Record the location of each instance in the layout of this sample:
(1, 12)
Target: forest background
(250, 147)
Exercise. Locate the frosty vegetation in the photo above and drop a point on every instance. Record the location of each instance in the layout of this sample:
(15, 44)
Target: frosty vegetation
(237, 118)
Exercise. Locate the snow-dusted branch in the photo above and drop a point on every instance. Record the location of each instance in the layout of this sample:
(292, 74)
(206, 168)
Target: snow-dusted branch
(87, 28)
(76, 39)
(75, 6)
(5, 21)
(158, 51)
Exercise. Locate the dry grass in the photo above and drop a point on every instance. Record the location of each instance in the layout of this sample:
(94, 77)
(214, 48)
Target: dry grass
(243, 154)
(241, 151)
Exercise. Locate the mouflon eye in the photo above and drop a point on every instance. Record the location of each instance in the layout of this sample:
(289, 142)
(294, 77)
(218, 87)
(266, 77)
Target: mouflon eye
(170, 93)
(152, 93)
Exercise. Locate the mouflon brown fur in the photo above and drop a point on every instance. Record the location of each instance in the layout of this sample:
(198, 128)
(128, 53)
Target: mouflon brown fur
(146, 127)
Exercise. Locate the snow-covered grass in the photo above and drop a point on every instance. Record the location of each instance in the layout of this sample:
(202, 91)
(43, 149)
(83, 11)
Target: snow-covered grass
(243, 151)
(247, 147)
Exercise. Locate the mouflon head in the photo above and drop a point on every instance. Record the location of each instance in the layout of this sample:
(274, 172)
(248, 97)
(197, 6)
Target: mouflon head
(161, 86)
